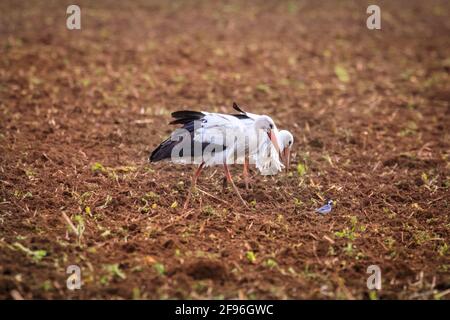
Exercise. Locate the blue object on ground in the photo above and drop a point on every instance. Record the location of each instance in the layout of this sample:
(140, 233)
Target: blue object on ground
(326, 208)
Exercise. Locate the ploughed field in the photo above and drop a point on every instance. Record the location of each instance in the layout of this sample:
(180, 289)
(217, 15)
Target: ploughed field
(81, 110)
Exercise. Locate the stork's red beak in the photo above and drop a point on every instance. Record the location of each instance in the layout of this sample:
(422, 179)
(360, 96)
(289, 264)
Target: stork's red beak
(274, 140)
(286, 157)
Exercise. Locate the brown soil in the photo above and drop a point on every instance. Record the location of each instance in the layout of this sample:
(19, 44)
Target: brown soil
(81, 110)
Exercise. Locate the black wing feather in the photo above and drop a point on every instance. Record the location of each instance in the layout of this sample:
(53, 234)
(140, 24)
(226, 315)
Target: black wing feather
(183, 114)
(186, 116)
(241, 116)
(163, 151)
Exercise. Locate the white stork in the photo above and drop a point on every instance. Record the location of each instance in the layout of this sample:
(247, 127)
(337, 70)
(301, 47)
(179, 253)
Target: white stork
(267, 159)
(214, 139)
(266, 156)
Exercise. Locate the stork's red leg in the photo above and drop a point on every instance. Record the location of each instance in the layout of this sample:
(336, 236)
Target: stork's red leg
(226, 179)
(228, 175)
(194, 184)
(224, 184)
(245, 173)
(197, 174)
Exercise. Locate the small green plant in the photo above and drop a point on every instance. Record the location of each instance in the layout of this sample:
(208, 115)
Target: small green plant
(327, 158)
(37, 255)
(443, 249)
(30, 173)
(309, 274)
(410, 130)
(160, 269)
(390, 242)
(251, 257)
(263, 88)
(84, 198)
(80, 225)
(349, 249)
(136, 269)
(136, 293)
(447, 182)
(297, 202)
(200, 287)
(341, 73)
(115, 271)
(292, 7)
(444, 267)
(107, 202)
(270, 263)
(104, 280)
(351, 233)
(85, 82)
(47, 285)
(106, 233)
(145, 208)
(301, 169)
(422, 236)
(151, 196)
(345, 233)
(391, 214)
(209, 211)
(22, 195)
(331, 251)
(424, 178)
(98, 168)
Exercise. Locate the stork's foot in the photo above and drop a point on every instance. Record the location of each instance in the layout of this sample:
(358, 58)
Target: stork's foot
(193, 187)
(188, 198)
(245, 174)
(224, 184)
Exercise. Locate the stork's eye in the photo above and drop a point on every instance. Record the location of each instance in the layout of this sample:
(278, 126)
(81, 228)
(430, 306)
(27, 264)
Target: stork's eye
(290, 142)
(271, 126)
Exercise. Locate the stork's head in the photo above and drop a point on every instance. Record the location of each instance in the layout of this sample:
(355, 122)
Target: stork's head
(266, 124)
(286, 142)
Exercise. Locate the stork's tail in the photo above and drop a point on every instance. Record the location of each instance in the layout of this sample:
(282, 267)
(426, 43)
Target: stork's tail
(237, 108)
